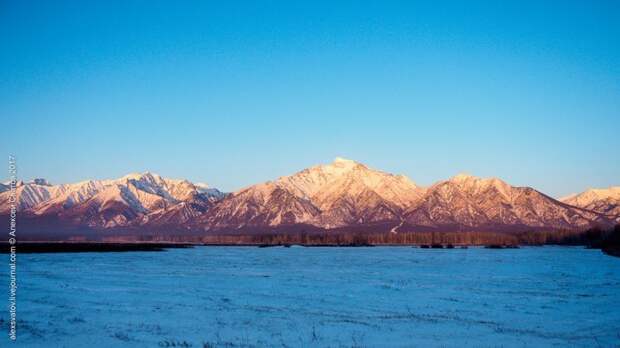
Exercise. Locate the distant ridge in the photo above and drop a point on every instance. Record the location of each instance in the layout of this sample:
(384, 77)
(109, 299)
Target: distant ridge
(131, 200)
(341, 195)
(604, 201)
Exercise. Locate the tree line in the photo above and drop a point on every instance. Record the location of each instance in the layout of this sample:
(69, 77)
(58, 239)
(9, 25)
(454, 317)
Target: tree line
(594, 237)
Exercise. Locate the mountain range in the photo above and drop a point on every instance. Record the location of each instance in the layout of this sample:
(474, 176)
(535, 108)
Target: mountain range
(340, 195)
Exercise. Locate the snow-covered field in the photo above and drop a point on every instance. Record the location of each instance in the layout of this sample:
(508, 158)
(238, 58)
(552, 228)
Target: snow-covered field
(318, 297)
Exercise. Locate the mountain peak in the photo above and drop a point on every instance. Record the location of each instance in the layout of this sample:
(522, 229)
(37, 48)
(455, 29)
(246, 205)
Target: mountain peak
(462, 177)
(592, 195)
(344, 162)
(134, 176)
(139, 176)
(337, 194)
(606, 201)
(610, 192)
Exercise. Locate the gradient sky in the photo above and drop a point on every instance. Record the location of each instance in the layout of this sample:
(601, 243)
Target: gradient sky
(235, 93)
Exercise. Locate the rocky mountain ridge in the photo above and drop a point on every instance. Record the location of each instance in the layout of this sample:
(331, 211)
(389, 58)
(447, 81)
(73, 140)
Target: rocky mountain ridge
(339, 195)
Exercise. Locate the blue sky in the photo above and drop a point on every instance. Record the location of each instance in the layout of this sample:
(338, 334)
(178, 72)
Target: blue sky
(234, 93)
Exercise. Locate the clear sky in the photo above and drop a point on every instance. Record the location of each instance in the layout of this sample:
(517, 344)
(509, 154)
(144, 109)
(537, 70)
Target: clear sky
(235, 93)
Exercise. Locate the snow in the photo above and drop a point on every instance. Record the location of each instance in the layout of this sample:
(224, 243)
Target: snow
(28, 195)
(209, 191)
(593, 195)
(319, 297)
(147, 190)
(132, 176)
(604, 201)
(342, 160)
(319, 195)
(325, 184)
(333, 195)
(344, 163)
(460, 177)
(202, 185)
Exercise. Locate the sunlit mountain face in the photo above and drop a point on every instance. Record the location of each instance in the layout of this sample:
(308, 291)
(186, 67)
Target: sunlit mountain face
(339, 195)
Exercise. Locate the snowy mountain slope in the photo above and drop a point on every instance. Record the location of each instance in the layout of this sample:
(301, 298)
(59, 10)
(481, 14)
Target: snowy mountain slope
(321, 184)
(185, 211)
(117, 202)
(346, 193)
(28, 195)
(341, 194)
(469, 202)
(5, 186)
(338, 194)
(604, 201)
(265, 204)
